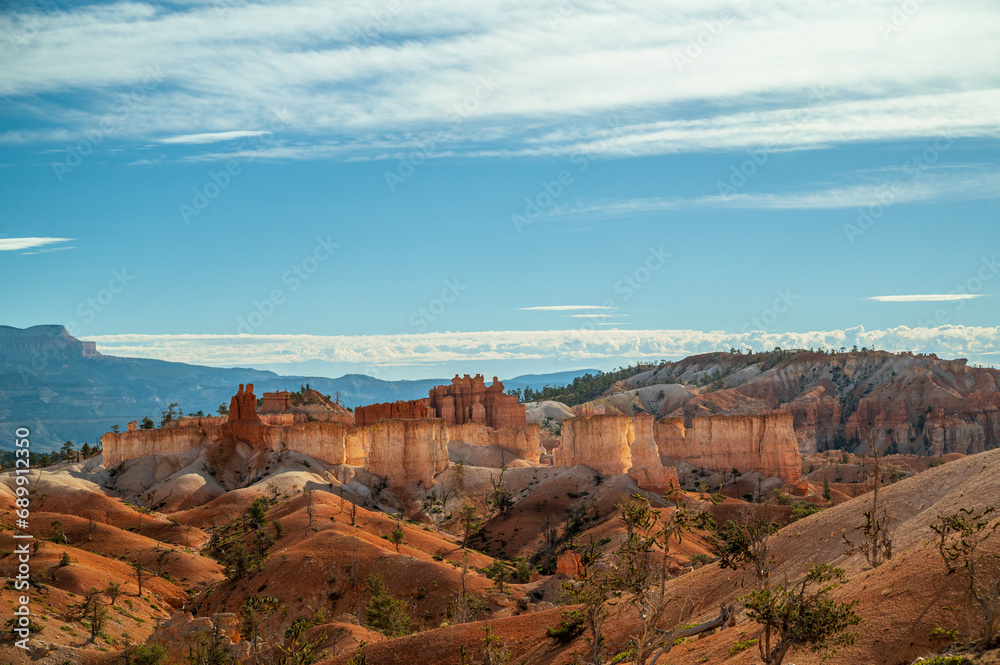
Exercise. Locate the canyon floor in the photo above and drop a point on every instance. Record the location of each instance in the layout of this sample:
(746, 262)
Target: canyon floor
(333, 536)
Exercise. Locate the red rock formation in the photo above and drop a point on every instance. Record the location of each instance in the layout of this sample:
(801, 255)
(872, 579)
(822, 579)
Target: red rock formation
(329, 440)
(371, 414)
(243, 406)
(279, 408)
(276, 402)
(469, 400)
(569, 564)
(764, 443)
(202, 421)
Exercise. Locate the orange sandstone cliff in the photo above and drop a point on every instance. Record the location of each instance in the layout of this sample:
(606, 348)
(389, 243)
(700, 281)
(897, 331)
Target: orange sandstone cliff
(523, 441)
(764, 443)
(404, 451)
(612, 444)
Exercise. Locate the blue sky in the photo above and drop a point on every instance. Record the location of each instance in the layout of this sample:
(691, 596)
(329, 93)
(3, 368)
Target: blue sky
(413, 189)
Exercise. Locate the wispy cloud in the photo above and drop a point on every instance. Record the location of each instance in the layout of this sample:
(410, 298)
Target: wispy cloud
(561, 308)
(48, 250)
(934, 184)
(979, 344)
(931, 297)
(15, 244)
(212, 137)
(595, 316)
(356, 84)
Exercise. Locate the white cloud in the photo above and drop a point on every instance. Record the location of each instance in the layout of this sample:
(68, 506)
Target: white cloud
(561, 308)
(979, 344)
(932, 297)
(900, 185)
(540, 79)
(595, 316)
(47, 250)
(213, 137)
(14, 244)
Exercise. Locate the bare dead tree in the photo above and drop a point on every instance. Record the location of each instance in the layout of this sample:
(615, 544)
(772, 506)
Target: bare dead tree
(876, 530)
(309, 506)
(140, 571)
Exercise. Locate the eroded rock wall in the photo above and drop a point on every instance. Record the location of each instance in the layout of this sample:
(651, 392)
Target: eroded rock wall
(523, 441)
(600, 442)
(326, 441)
(647, 470)
(404, 451)
(612, 444)
(121, 446)
(764, 443)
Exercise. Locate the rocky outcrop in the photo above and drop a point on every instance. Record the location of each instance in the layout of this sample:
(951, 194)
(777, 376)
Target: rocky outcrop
(276, 402)
(282, 407)
(914, 403)
(410, 410)
(569, 564)
(613, 444)
(181, 630)
(467, 400)
(600, 442)
(763, 443)
(647, 470)
(522, 441)
(404, 451)
(817, 419)
(470, 400)
(243, 406)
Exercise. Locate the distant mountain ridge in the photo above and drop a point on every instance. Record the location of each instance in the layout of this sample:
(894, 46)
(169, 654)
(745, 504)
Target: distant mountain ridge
(63, 389)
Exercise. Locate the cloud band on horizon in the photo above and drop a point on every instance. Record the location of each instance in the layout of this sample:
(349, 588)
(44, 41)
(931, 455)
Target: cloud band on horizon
(979, 344)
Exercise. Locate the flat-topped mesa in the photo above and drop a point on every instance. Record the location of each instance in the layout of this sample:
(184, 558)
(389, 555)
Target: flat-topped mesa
(764, 443)
(613, 444)
(470, 400)
(44, 342)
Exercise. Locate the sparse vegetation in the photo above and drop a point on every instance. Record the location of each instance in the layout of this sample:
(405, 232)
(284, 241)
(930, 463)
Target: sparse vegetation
(876, 530)
(802, 614)
(384, 612)
(570, 626)
(743, 543)
(960, 538)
